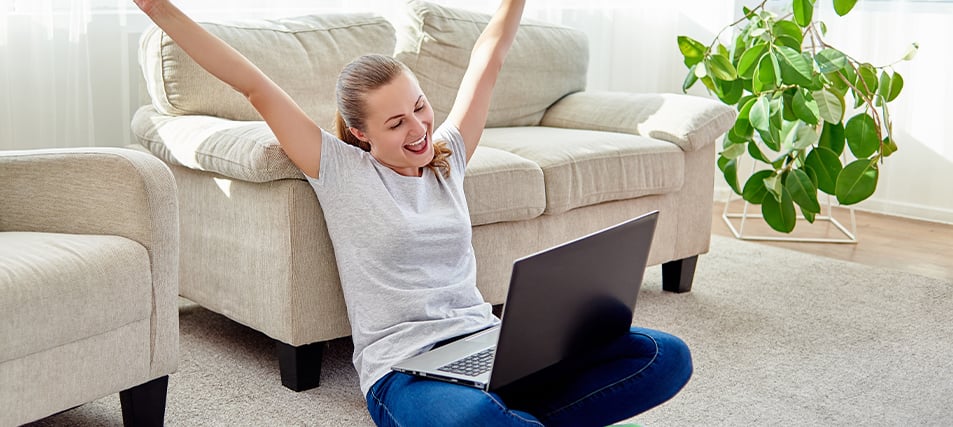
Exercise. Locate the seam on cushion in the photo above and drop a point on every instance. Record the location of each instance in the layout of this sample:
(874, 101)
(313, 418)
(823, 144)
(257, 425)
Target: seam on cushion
(148, 318)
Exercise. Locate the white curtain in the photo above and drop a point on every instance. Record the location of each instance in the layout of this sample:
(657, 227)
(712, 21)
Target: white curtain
(69, 74)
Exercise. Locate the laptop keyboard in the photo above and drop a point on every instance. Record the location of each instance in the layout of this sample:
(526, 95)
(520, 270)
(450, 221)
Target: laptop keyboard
(472, 365)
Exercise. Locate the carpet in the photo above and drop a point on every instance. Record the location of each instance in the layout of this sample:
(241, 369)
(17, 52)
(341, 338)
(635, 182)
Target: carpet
(778, 338)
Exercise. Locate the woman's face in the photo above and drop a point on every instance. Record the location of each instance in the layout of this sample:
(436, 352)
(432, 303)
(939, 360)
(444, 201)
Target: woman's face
(399, 126)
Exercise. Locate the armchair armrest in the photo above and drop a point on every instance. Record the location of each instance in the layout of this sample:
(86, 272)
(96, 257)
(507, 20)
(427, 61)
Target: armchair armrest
(690, 122)
(105, 191)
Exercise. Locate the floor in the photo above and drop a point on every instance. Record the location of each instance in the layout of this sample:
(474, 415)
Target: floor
(919, 247)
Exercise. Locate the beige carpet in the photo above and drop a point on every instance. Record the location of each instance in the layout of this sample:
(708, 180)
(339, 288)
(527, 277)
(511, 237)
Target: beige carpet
(778, 337)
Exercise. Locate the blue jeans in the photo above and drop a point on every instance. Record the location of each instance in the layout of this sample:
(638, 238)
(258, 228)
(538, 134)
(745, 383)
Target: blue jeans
(628, 376)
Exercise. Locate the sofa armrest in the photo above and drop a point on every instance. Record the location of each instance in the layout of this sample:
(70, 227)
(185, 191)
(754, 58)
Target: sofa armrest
(105, 191)
(690, 122)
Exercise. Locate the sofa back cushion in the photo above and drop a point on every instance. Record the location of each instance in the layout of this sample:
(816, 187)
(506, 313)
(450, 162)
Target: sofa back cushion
(545, 63)
(303, 55)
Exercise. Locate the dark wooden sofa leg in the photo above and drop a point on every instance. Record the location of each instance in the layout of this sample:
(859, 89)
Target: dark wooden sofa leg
(144, 404)
(677, 275)
(300, 366)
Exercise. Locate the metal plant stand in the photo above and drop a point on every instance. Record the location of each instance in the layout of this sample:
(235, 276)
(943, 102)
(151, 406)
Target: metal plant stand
(850, 236)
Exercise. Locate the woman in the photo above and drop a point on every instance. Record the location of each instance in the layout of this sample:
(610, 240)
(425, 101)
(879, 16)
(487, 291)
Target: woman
(391, 187)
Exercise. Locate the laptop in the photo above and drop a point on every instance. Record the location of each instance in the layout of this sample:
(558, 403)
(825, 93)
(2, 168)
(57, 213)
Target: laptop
(561, 302)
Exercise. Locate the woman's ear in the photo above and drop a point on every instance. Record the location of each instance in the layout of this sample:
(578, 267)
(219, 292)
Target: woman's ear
(357, 132)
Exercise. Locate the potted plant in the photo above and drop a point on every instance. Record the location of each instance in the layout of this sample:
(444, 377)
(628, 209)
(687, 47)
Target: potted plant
(803, 105)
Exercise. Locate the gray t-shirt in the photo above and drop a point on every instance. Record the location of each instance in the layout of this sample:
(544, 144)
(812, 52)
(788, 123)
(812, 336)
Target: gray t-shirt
(403, 252)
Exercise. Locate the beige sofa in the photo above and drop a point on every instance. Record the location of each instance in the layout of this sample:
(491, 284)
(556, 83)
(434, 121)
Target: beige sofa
(88, 282)
(555, 162)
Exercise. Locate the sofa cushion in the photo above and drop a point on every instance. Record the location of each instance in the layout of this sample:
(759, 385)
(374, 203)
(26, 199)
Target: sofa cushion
(582, 167)
(244, 150)
(303, 55)
(545, 63)
(60, 288)
(502, 186)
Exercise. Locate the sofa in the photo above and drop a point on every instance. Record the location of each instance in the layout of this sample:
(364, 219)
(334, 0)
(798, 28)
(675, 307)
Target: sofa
(88, 282)
(555, 162)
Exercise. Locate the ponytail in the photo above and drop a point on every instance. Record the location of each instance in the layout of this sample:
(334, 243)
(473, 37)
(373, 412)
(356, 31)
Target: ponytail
(344, 133)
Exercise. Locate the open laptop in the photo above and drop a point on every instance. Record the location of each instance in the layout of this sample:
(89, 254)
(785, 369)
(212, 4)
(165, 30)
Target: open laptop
(561, 301)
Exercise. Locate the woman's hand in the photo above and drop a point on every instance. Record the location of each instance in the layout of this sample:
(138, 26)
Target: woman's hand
(149, 6)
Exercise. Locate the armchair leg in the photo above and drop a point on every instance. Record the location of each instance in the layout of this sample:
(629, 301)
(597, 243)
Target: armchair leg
(300, 366)
(677, 276)
(144, 404)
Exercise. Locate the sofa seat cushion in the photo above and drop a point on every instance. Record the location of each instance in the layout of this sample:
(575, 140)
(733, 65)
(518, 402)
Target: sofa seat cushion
(501, 186)
(60, 288)
(582, 167)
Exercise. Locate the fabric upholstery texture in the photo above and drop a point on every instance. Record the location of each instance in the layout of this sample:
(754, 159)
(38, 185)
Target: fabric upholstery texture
(501, 186)
(88, 277)
(583, 168)
(687, 121)
(437, 48)
(303, 55)
(56, 288)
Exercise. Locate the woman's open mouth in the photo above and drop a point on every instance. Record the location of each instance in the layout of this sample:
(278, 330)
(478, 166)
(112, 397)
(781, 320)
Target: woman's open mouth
(420, 146)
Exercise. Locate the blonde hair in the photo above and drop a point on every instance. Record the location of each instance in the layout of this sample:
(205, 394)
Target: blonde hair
(365, 74)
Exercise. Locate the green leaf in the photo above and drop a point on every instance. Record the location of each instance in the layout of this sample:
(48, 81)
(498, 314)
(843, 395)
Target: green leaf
(867, 83)
(720, 67)
(805, 107)
(857, 181)
(830, 60)
(787, 34)
(755, 190)
(802, 190)
(729, 168)
(826, 166)
(830, 106)
(690, 79)
(803, 12)
(729, 91)
(894, 86)
(779, 214)
(734, 151)
(832, 137)
(795, 69)
(805, 136)
(760, 114)
(749, 60)
(692, 50)
(766, 74)
(756, 153)
(889, 147)
(862, 137)
(842, 7)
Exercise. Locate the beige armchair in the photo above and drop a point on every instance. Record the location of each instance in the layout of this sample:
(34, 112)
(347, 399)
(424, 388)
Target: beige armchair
(88, 282)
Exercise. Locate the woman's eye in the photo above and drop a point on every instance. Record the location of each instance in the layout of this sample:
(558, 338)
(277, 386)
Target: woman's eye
(418, 108)
(397, 125)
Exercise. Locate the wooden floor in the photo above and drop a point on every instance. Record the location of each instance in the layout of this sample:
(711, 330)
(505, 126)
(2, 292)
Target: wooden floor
(920, 247)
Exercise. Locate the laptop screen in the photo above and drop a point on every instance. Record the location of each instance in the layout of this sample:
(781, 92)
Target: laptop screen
(571, 297)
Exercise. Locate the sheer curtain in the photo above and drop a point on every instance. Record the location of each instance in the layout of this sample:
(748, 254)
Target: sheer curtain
(69, 74)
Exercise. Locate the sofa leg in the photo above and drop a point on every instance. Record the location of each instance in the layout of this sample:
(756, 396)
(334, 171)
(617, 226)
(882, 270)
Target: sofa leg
(144, 404)
(300, 366)
(677, 275)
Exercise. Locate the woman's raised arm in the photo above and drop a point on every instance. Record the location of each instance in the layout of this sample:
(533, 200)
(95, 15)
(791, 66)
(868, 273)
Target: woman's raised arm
(472, 105)
(299, 136)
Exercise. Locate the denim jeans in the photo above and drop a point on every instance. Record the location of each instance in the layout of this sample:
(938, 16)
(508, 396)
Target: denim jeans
(630, 375)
